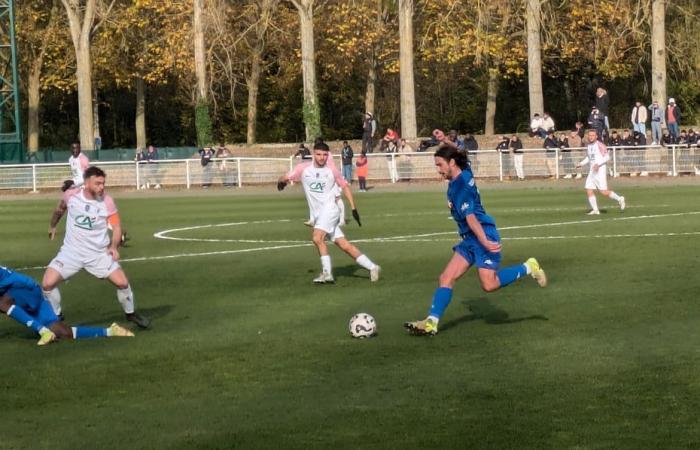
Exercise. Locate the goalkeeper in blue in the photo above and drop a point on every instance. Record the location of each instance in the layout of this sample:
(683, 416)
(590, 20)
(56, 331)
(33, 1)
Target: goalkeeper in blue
(480, 246)
(22, 300)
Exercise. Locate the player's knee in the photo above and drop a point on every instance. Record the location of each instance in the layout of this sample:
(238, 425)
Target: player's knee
(490, 286)
(446, 280)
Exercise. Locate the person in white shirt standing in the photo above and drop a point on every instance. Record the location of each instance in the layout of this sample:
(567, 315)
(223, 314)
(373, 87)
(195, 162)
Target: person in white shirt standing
(320, 183)
(597, 156)
(78, 163)
(87, 244)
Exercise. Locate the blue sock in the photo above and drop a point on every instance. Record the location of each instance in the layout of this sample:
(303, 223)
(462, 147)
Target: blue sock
(89, 332)
(23, 317)
(441, 298)
(510, 274)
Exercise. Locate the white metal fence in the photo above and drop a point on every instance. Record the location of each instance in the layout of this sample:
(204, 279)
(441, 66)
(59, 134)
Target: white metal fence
(538, 163)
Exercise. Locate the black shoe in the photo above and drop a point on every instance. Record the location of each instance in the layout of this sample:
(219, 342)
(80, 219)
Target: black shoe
(139, 320)
(124, 238)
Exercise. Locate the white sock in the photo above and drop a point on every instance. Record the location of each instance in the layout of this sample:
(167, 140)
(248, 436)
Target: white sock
(54, 298)
(593, 202)
(528, 271)
(614, 196)
(126, 298)
(365, 262)
(326, 264)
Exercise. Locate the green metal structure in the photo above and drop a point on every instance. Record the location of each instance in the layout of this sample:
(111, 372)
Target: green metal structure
(11, 145)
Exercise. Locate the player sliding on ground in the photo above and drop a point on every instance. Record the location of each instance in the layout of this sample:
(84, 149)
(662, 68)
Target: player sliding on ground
(597, 156)
(21, 299)
(320, 182)
(480, 246)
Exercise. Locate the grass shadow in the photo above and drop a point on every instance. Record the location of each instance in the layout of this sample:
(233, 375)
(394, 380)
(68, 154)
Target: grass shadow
(483, 309)
(154, 314)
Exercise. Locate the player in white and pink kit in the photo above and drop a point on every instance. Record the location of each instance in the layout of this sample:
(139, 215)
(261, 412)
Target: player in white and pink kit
(87, 244)
(320, 183)
(597, 156)
(78, 163)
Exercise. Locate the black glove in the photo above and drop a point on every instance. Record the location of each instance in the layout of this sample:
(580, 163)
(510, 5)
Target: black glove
(356, 216)
(281, 185)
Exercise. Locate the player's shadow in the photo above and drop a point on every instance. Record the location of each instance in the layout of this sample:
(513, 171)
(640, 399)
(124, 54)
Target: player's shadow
(483, 309)
(153, 314)
(350, 271)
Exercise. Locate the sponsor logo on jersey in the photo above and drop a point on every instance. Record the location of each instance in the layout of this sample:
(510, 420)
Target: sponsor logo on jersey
(471, 182)
(488, 262)
(317, 186)
(464, 206)
(85, 222)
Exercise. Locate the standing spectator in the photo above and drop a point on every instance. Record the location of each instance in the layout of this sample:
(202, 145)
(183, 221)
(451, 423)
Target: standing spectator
(362, 169)
(657, 119)
(567, 164)
(673, 118)
(222, 154)
(369, 129)
(596, 120)
(78, 163)
(506, 158)
(602, 102)
(536, 128)
(597, 156)
(153, 169)
(551, 145)
(303, 152)
(389, 146)
(639, 118)
(517, 146)
(548, 123)
(206, 154)
(346, 156)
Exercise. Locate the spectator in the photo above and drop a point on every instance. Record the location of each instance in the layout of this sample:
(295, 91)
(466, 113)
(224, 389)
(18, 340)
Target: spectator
(405, 147)
(78, 163)
(506, 158)
(206, 154)
(567, 163)
(673, 118)
(639, 118)
(551, 145)
(391, 137)
(516, 146)
(657, 119)
(98, 143)
(580, 131)
(548, 123)
(222, 154)
(346, 156)
(692, 138)
(362, 170)
(389, 146)
(536, 128)
(303, 152)
(369, 129)
(596, 120)
(640, 141)
(615, 140)
(602, 102)
(153, 169)
(470, 143)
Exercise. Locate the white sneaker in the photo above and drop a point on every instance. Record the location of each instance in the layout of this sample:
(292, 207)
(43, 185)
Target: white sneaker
(644, 174)
(157, 186)
(578, 176)
(594, 212)
(568, 176)
(323, 278)
(374, 273)
(622, 203)
(633, 174)
(309, 223)
(669, 173)
(143, 186)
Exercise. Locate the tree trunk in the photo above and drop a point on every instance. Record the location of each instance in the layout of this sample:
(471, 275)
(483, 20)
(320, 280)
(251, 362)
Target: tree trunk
(33, 102)
(140, 113)
(200, 64)
(95, 115)
(491, 96)
(312, 112)
(658, 51)
(253, 83)
(407, 84)
(534, 57)
(371, 91)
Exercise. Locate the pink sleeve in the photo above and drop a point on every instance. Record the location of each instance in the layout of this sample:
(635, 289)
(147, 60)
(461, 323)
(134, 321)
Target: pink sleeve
(70, 193)
(84, 162)
(295, 173)
(339, 180)
(111, 206)
(331, 161)
(603, 149)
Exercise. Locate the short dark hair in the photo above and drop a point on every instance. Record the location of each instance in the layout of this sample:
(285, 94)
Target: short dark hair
(448, 153)
(320, 145)
(93, 171)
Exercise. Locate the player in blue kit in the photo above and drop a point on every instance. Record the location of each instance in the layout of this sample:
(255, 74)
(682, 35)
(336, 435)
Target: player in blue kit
(21, 299)
(480, 246)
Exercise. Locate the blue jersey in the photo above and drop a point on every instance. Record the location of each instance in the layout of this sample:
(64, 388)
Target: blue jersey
(464, 199)
(24, 290)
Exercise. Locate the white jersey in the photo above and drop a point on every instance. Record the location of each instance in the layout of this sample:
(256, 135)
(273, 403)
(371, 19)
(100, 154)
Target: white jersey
(597, 154)
(86, 223)
(320, 184)
(77, 167)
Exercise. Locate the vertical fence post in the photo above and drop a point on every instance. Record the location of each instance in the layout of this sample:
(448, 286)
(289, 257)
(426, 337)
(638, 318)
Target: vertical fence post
(500, 166)
(674, 167)
(240, 175)
(556, 163)
(33, 177)
(614, 152)
(187, 173)
(138, 176)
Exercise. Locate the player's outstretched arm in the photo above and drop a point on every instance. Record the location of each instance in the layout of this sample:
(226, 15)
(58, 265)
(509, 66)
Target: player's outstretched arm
(58, 213)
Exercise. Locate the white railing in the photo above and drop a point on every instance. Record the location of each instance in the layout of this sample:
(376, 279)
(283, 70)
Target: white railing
(537, 163)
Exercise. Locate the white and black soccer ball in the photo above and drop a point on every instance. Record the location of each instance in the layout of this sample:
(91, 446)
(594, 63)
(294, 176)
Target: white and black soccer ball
(362, 325)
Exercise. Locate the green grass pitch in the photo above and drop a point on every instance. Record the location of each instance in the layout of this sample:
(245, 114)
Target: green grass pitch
(245, 352)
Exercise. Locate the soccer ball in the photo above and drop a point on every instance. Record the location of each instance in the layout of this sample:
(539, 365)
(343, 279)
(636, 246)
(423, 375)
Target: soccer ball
(362, 325)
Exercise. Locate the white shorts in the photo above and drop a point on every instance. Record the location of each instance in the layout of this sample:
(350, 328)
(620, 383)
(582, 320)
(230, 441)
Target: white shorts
(597, 179)
(100, 265)
(328, 220)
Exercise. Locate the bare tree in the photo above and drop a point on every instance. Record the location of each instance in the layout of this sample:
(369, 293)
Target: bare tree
(312, 111)
(408, 95)
(658, 51)
(534, 56)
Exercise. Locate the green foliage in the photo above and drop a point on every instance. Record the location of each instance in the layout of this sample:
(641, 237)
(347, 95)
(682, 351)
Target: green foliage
(203, 124)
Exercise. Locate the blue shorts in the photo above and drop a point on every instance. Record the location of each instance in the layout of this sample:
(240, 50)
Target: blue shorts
(475, 253)
(27, 295)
